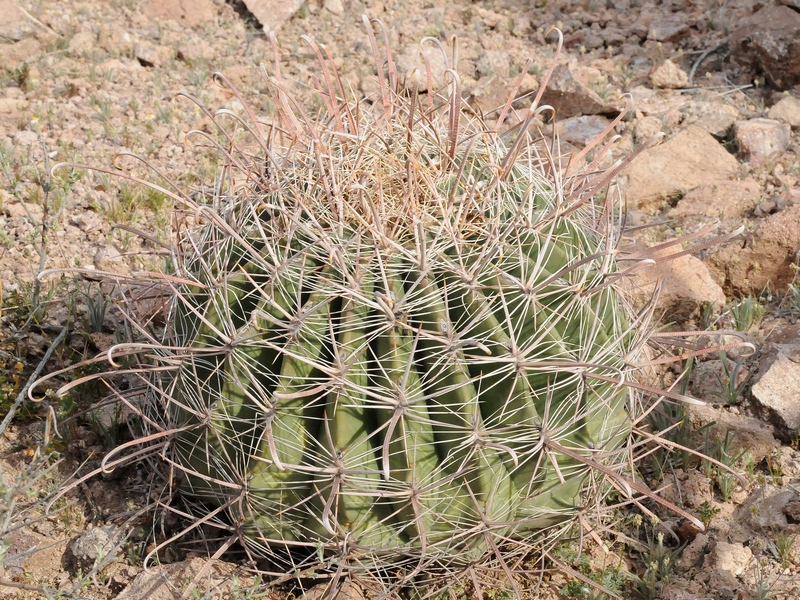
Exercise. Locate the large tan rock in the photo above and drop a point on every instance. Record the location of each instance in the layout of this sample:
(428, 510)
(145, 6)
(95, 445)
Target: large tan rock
(684, 162)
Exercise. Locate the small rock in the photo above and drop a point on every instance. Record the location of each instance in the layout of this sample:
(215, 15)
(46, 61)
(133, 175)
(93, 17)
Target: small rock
(571, 92)
(98, 543)
(166, 582)
(669, 75)
(272, 14)
(777, 393)
(521, 26)
(581, 130)
(334, 7)
(16, 209)
(694, 552)
(152, 56)
(494, 62)
(646, 128)
(489, 18)
(787, 111)
(714, 117)
(721, 200)
(12, 111)
(761, 139)
(733, 558)
(17, 53)
(108, 259)
(195, 50)
(347, 591)
(669, 28)
(81, 42)
(764, 509)
(412, 71)
(682, 163)
(769, 42)
(689, 488)
(488, 94)
(86, 221)
(192, 13)
(14, 25)
(686, 287)
(26, 138)
(116, 40)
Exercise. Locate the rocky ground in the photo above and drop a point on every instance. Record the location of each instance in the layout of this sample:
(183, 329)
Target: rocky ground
(84, 81)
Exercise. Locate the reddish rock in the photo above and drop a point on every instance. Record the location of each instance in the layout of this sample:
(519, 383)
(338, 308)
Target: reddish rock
(760, 140)
(764, 258)
(570, 92)
(769, 41)
(682, 163)
(668, 28)
(191, 13)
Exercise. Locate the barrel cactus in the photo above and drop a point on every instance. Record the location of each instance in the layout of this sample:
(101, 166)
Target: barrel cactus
(398, 338)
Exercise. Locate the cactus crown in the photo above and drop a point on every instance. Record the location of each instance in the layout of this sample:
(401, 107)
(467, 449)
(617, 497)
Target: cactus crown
(398, 339)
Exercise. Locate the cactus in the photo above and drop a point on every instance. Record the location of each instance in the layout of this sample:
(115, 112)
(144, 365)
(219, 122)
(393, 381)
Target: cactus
(406, 338)
(398, 339)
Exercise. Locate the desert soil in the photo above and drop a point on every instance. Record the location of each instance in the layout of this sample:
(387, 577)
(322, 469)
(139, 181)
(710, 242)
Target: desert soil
(83, 81)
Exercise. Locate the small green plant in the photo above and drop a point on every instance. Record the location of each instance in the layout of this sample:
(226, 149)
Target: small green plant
(793, 297)
(733, 379)
(707, 512)
(783, 543)
(747, 313)
(660, 565)
(774, 468)
(96, 309)
(723, 470)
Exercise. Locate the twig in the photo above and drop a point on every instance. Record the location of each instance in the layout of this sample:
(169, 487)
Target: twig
(24, 392)
(704, 56)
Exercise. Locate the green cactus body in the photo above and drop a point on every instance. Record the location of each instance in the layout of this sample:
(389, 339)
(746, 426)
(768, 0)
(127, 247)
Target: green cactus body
(389, 340)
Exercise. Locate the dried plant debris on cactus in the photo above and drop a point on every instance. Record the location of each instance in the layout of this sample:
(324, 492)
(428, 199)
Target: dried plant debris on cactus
(398, 339)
